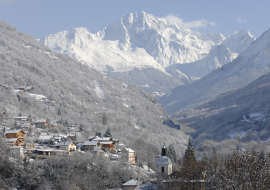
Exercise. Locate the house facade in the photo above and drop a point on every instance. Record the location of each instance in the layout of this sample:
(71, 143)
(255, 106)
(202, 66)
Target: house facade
(130, 155)
(15, 134)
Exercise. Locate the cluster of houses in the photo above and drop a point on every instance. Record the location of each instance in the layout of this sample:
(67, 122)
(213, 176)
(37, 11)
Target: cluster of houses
(48, 144)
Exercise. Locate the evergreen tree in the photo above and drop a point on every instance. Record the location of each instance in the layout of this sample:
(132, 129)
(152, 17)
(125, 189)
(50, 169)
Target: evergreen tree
(189, 157)
(171, 153)
(107, 133)
(98, 133)
(190, 168)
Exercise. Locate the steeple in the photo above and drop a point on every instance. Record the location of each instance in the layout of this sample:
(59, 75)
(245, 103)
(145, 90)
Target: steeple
(164, 150)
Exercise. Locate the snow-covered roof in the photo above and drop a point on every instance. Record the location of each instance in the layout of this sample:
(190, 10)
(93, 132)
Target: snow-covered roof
(91, 137)
(16, 147)
(164, 160)
(28, 87)
(80, 145)
(129, 150)
(63, 144)
(41, 121)
(110, 142)
(45, 137)
(11, 139)
(96, 149)
(20, 117)
(131, 183)
(102, 139)
(87, 143)
(13, 131)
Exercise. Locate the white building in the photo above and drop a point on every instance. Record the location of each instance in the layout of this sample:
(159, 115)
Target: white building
(164, 163)
(17, 151)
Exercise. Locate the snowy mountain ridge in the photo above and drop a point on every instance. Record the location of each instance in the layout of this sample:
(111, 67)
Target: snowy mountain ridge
(136, 40)
(247, 67)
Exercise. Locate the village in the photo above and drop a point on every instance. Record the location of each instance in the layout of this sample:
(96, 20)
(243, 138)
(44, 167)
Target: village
(37, 139)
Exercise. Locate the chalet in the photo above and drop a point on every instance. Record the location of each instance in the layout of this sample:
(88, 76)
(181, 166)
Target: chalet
(71, 136)
(99, 151)
(108, 146)
(45, 153)
(14, 142)
(29, 88)
(90, 145)
(68, 146)
(15, 134)
(21, 118)
(41, 123)
(130, 155)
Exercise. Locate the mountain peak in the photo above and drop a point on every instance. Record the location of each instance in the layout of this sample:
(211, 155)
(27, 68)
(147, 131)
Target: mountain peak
(239, 41)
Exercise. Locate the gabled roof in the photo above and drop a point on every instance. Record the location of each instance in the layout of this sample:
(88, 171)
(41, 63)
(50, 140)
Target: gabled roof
(129, 150)
(87, 143)
(131, 183)
(14, 131)
(97, 149)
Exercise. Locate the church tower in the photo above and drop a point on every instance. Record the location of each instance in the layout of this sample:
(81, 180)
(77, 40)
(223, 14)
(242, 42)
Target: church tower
(164, 163)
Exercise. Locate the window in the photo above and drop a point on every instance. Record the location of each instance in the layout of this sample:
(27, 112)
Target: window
(162, 169)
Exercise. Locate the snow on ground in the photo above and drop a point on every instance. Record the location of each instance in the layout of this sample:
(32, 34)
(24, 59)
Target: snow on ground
(136, 126)
(37, 96)
(99, 91)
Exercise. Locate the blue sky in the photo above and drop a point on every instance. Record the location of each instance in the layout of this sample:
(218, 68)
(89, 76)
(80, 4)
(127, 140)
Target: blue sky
(42, 17)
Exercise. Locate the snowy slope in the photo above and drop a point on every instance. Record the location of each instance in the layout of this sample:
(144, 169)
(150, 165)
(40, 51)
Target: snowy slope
(218, 56)
(251, 64)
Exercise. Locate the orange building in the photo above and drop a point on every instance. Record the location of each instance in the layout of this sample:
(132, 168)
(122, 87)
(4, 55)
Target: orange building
(108, 145)
(15, 134)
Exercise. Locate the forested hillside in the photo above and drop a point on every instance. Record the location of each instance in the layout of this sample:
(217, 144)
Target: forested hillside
(76, 95)
(242, 114)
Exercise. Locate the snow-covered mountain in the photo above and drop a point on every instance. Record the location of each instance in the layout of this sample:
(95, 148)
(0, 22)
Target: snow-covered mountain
(145, 42)
(136, 40)
(250, 64)
(218, 56)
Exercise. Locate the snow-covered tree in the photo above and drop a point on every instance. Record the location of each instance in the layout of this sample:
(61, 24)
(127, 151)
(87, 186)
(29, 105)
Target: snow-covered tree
(107, 133)
(172, 154)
